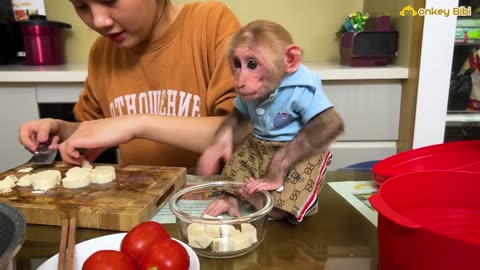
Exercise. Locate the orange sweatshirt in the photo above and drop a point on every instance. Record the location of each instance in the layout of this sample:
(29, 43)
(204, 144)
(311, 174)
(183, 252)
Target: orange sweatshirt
(185, 73)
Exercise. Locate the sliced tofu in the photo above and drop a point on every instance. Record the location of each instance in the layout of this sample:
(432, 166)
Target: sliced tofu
(197, 237)
(78, 170)
(105, 167)
(24, 181)
(6, 190)
(234, 233)
(201, 240)
(76, 181)
(249, 231)
(195, 228)
(6, 185)
(12, 177)
(221, 238)
(252, 236)
(223, 245)
(25, 170)
(241, 241)
(228, 230)
(248, 228)
(78, 177)
(45, 180)
(212, 231)
(86, 164)
(102, 176)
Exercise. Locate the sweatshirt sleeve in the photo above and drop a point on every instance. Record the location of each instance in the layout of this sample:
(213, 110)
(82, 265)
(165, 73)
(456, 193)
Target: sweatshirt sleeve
(87, 107)
(220, 92)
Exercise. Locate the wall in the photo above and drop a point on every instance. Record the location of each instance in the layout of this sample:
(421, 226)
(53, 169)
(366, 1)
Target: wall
(312, 23)
(402, 24)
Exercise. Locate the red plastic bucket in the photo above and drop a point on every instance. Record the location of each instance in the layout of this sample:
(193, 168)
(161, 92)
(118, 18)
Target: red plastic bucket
(429, 220)
(445, 156)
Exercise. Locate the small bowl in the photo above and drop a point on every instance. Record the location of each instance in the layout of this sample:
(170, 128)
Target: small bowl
(12, 235)
(223, 236)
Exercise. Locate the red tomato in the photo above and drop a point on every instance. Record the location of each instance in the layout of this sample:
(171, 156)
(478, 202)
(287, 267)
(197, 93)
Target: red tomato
(165, 255)
(109, 260)
(141, 237)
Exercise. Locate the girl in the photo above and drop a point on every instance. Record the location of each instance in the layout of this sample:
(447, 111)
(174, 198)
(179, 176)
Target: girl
(158, 73)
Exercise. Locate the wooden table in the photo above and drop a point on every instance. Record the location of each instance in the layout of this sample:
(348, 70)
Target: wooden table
(338, 237)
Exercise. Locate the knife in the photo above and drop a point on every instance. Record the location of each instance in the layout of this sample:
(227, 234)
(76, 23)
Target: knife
(43, 155)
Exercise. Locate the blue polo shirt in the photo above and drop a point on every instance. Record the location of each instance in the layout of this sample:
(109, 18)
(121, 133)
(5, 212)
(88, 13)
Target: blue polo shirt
(298, 99)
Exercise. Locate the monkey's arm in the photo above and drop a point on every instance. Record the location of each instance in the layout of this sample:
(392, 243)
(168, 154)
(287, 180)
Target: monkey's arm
(235, 126)
(314, 138)
(230, 133)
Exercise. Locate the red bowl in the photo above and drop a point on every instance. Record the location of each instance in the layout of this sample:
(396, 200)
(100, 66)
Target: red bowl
(461, 155)
(429, 220)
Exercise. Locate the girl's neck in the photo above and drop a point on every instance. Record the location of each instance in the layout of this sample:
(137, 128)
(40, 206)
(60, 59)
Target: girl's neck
(166, 17)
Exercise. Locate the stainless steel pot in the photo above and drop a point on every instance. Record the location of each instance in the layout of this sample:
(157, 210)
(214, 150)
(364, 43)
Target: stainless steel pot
(12, 235)
(43, 40)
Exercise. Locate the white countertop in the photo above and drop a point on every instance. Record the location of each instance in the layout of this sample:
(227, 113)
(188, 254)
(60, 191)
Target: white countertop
(78, 72)
(334, 71)
(57, 73)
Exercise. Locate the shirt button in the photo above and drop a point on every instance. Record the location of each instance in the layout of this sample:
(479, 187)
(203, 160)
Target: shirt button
(260, 111)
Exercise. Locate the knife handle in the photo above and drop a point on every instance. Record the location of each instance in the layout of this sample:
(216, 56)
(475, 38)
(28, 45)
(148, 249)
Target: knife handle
(41, 148)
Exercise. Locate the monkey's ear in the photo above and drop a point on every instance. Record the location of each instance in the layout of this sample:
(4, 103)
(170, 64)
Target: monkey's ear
(293, 58)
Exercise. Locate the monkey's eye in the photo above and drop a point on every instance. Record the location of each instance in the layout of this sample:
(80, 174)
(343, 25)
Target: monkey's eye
(252, 64)
(237, 63)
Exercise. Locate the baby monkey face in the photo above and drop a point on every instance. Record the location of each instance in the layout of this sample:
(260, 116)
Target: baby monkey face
(252, 73)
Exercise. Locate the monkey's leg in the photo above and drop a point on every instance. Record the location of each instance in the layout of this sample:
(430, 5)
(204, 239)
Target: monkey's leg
(302, 185)
(237, 169)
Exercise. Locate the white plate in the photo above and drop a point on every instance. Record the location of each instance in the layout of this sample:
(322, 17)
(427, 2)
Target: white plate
(85, 249)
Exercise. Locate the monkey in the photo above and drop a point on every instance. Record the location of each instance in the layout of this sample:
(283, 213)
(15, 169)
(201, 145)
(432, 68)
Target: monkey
(292, 124)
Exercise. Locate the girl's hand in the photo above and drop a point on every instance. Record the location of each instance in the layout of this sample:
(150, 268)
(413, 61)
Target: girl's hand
(211, 159)
(33, 133)
(91, 138)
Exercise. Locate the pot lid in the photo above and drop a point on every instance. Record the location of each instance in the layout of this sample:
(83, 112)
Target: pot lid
(42, 20)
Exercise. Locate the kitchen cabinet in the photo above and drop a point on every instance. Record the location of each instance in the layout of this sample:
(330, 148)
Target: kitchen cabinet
(18, 104)
(368, 99)
(371, 111)
(371, 108)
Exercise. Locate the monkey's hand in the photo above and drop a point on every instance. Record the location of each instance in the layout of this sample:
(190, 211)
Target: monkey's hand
(273, 177)
(227, 204)
(315, 137)
(211, 159)
(253, 185)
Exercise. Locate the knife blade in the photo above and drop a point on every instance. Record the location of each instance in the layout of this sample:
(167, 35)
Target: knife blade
(43, 155)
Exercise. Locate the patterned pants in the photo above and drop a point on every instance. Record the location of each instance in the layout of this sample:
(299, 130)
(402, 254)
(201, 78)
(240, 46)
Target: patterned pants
(301, 185)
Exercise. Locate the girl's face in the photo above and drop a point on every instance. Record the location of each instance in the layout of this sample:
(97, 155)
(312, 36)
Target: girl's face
(127, 23)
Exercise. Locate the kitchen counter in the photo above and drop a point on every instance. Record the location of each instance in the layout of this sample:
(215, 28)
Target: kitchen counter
(337, 237)
(78, 72)
(59, 73)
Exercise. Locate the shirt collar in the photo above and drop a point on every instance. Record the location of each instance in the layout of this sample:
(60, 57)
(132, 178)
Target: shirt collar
(301, 77)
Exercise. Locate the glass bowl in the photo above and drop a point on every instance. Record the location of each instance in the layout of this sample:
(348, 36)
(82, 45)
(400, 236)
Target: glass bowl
(223, 236)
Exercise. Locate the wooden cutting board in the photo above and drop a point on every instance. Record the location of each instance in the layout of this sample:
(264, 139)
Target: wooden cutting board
(137, 193)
